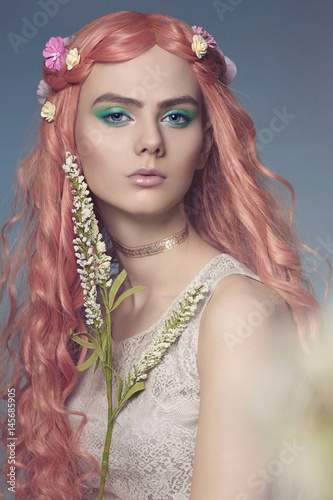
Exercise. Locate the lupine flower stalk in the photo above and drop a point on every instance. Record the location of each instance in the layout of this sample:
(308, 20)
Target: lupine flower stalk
(93, 266)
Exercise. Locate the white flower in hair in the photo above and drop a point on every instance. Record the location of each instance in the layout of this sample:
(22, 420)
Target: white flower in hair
(48, 111)
(72, 59)
(199, 46)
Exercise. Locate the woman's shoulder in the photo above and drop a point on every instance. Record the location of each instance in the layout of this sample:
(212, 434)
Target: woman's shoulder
(238, 290)
(244, 315)
(248, 368)
(238, 295)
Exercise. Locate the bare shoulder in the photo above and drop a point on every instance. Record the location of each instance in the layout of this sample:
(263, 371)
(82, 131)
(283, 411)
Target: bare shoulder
(242, 350)
(244, 315)
(238, 294)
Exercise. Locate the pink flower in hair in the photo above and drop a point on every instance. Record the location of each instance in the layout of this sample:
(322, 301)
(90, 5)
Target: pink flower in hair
(206, 36)
(54, 52)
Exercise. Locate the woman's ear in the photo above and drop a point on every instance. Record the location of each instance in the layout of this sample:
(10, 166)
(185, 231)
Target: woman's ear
(206, 145)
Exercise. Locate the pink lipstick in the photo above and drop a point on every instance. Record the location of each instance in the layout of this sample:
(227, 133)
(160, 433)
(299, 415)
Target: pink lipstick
(146, 177)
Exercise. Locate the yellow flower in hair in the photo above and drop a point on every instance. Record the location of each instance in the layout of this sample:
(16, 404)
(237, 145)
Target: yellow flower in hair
(48, 111)
(72, 59)
(199, 45)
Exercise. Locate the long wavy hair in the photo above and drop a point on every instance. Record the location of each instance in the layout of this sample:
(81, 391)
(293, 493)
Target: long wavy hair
(229, 204)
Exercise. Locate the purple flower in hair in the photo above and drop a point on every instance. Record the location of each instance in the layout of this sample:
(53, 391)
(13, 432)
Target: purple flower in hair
(54, 52)
(231, 68)
(43, 91)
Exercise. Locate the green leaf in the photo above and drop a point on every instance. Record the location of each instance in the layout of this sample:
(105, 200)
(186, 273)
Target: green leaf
(103, 339)
(120, 383)
(103, 294)
(139, 386)
(94, 343)
(129, 292)
(97, 364)
(82, 342)
(89, 362)
(115, 287)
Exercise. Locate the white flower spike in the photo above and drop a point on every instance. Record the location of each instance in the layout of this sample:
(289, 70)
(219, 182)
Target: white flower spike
(93, 263)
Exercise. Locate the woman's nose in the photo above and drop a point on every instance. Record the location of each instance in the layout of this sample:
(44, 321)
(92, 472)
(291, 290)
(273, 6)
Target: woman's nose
(150, 139)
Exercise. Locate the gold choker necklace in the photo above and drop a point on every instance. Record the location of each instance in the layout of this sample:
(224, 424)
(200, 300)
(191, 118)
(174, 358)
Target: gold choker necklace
(152, 248)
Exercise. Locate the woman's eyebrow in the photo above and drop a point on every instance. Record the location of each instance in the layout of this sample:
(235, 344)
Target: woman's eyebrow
(129, 101)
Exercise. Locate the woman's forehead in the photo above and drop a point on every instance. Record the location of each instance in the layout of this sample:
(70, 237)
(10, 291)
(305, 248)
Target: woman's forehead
(154, 73)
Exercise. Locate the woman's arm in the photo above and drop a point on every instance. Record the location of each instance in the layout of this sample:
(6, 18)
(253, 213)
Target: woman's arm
(245, 334)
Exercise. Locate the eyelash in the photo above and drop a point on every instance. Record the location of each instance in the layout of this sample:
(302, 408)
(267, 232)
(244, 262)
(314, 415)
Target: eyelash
(177, 113)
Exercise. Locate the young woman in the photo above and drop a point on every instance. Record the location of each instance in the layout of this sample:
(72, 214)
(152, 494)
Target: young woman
(170, 159)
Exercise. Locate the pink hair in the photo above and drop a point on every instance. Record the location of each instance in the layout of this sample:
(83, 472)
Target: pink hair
(227, 204)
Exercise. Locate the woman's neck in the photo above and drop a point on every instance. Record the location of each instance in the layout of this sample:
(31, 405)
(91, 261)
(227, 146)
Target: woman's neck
(164, 273)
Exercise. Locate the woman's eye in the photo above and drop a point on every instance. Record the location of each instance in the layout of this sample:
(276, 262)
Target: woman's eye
(116, 117)
(112, 115)
(178, 119)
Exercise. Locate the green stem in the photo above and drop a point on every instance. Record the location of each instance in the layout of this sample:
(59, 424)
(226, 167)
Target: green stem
(106, 451)
(105, 458)
(108, 378)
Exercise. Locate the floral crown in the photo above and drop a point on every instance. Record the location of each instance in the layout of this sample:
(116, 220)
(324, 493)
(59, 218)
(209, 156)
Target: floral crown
(55, 52)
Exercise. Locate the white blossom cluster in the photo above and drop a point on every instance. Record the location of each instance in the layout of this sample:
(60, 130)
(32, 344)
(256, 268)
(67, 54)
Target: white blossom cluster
(93, 263)
(168, 334)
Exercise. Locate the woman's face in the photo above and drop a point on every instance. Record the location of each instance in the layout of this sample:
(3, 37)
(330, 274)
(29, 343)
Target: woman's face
(141, 114)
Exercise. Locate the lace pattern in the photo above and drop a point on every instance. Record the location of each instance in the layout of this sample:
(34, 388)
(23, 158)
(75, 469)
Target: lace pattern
(153, 440)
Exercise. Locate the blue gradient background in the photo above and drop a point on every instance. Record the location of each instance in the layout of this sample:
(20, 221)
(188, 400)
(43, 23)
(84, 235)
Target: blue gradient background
(283, 50)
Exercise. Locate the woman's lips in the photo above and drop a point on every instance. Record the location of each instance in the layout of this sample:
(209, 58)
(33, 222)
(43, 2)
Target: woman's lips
(146, 177)
(146, 180)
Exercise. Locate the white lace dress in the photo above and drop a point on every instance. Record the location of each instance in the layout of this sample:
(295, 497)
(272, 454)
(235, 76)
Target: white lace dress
(153, 440)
